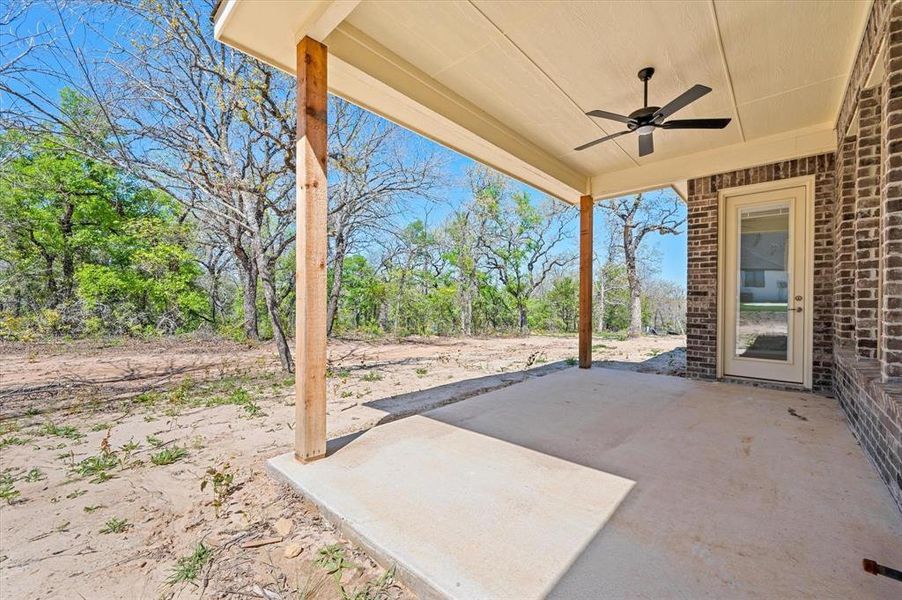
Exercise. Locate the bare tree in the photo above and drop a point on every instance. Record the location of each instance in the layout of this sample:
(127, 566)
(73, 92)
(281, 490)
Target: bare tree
(634, 217)
(374, 167)
(668, 303)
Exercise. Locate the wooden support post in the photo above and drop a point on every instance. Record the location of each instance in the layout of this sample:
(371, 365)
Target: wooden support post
(586, 206)
(312, 206)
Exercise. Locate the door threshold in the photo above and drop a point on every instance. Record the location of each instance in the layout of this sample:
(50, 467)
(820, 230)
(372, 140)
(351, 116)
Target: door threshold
(767, 383)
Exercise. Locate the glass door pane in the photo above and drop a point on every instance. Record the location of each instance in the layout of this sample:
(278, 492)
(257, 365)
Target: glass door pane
(762, 326)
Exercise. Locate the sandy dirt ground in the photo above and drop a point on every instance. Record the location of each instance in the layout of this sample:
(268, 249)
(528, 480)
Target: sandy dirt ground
(105, 448)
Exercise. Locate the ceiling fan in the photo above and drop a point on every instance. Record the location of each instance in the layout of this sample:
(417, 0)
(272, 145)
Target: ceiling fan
(644, 120)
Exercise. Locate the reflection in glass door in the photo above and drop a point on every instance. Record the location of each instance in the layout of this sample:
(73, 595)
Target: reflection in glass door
(762, 327)
(764, 285)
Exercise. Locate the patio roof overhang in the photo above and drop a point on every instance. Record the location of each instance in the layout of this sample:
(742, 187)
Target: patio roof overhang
(508, 83)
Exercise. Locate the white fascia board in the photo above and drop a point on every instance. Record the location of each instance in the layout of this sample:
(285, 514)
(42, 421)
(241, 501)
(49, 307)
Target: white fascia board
(269, 30)
(664, 173)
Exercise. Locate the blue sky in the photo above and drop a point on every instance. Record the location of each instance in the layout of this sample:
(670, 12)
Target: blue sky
(671, 249)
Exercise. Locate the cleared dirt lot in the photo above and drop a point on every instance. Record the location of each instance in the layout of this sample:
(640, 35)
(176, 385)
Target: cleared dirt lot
(118, 437)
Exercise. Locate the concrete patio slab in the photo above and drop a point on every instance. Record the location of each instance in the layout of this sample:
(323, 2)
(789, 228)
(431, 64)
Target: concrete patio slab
(605, 483)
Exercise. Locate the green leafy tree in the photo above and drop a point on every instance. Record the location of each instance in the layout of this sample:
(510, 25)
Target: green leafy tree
(521, 242)
(89, 242)
(563, 303)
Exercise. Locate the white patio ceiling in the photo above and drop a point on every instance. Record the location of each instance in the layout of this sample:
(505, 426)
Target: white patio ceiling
(508, 83)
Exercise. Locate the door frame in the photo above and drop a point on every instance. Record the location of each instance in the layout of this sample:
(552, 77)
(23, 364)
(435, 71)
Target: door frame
(807, 182)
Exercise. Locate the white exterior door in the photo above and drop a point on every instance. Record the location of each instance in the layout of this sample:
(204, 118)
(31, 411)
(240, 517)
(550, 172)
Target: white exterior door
(764, 305)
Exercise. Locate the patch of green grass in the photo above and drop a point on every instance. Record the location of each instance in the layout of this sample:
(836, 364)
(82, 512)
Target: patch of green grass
(101, 427)
(97, 467)
(187, 568)
(128, 448)
(66, 431)
(148, 398)
(571, 361)
(154, 441)
(221, 480)
(34, 475)
(92, 508)
(346, 394)
(603, 347)
(168, 456)
(76, 494)
(252, 409)
(614, 336)
(654, 352)
(332, 559)
(237, 397)
(8, 489)
(116, 525)
(181, 393)
(422, 371)
(12, 440)
(372, 376)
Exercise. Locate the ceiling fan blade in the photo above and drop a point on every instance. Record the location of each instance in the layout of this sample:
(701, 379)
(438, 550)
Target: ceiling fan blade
(696, 124)
(603, 114)
(600, 140)
(646, 144)
(684, 99)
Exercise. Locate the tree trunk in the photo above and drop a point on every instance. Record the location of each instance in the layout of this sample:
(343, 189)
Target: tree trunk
(337, 281)
(632, 279)
(523, 322)
(397, 319)
(466, 309)
(635, 306)
(214, 295)
(267, 278)
(600, 300)
(67, 260)
(248, 269)
(52, 294)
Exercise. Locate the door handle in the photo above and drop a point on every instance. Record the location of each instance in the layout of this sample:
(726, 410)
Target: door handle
(796, 309)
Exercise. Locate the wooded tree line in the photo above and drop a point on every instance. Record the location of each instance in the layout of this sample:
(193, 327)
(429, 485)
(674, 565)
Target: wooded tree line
(149, 187)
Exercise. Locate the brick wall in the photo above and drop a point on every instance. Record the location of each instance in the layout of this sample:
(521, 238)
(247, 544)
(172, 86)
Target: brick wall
(891, 203)
(874, 413)
(867, 222)
(701, 313)
(844, 244)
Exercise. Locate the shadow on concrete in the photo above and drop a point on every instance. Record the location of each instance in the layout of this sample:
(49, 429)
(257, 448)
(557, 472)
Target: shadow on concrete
(665, 363)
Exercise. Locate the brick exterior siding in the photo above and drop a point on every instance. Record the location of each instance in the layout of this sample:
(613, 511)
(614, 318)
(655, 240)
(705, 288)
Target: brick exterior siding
(844, 245)
(891, 203)
(867, 222)
(869, 389)
(701, 290)
(874, 414)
